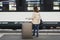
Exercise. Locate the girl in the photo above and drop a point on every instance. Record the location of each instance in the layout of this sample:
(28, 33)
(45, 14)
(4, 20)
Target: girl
(36, 20)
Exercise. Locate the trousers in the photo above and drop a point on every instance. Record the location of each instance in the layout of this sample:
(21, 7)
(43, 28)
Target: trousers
(36, 30)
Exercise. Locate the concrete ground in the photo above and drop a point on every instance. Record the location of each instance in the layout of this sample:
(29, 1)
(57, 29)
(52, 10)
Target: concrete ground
(40, 31)
(17, 35)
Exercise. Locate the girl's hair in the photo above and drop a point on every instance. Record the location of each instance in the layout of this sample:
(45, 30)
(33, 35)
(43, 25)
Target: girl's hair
(35, 9)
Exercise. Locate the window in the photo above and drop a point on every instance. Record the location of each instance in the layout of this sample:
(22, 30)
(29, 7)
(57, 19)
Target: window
(12, 6)
(27, 5)
(7, 5)
(56, 5)
(31, 4)
(1, 6)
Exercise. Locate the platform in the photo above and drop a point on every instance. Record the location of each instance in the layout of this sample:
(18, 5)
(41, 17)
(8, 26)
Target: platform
(41, 37)
(20, 30)
(17, 35)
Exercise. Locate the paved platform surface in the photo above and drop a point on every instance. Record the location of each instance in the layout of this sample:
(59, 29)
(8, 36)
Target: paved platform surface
(41, 37)
(40, 31)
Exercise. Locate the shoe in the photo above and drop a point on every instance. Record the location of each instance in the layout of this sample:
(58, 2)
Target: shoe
(33, 35)
(37, 36)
